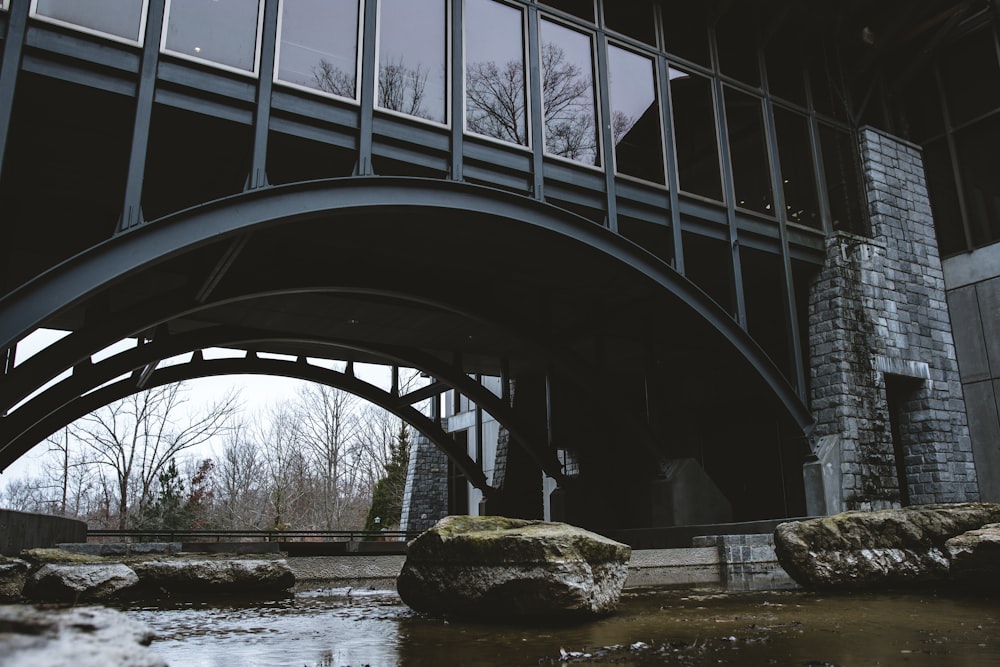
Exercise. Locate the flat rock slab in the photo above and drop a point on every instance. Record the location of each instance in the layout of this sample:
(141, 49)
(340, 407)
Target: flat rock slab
(975, 557)
(495, 567)
(79, 582)
(80, 637)
(200, 578)
(877, 549)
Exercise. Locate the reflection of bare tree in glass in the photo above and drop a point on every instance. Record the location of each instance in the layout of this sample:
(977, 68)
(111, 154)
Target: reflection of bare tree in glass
(401, 88)
(331, 79)
(495, 105)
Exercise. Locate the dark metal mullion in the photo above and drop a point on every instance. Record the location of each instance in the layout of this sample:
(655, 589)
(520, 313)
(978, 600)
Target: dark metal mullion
(607, 139)
(953, 158)
(479, 428)
(457, 91)
(735, 265)
(145, 92)
(265, 79)
(13, 47)
(790, 307)
(367, 120)
(536, 104)
(819, 173)
(670, 161)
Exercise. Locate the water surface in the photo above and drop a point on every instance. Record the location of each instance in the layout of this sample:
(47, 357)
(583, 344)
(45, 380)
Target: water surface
(338, 627)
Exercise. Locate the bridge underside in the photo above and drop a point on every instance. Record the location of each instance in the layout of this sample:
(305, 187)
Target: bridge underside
(455, 280)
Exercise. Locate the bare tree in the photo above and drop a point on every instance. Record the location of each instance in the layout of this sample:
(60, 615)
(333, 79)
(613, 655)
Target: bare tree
(133, 439)
(401, 88)
(327, 423)
(495, 100)
(331, 79)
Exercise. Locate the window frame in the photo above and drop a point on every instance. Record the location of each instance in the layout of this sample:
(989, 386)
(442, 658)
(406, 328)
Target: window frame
(596, 89)
(527, 147)
(658, 99)
(448, 67)
(144, 14)
(254, 72)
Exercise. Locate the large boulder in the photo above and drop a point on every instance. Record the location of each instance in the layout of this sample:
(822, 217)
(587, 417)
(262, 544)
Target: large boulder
(79, 582)
(13, 575)
(81, 637)
(879, 548)
(495, 567)
(975, 557)
(206, 577)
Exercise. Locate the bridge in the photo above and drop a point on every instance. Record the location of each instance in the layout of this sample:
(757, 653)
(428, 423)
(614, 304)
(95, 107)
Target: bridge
(624, 232)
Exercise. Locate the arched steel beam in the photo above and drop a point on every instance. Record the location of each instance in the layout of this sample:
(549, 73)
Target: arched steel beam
(73, 281)
(83, 405)
(40, 412)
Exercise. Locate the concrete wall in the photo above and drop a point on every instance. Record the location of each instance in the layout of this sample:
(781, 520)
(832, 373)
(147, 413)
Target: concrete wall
(879, 329)
(973, 283)
(21, 530)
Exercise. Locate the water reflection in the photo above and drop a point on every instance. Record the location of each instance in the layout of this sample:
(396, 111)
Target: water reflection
(340, 627)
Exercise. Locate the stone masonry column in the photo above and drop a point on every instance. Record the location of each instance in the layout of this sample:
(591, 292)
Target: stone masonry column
(880, 338)
(425, 496)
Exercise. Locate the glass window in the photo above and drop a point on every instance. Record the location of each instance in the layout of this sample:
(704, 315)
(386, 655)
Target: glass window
(979, 164)
(971, 77)
(568, 94)
(635, 115)
(685, 31)
(748, 152)
(784, 67)
(118, 18)
(735, 35)
(695, 134)
(494, 71)
(581, 8)
(318, 45)
(413, 48)
(223, 32)
(944, 199)
(843, 180)
(633, 18)
(797, 173)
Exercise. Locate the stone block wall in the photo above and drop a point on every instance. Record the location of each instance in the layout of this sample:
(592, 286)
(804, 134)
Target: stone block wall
(878, 322)
(425, 497)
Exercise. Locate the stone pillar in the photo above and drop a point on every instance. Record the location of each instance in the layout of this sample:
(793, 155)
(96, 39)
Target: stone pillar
(877, 319)
(425, 497)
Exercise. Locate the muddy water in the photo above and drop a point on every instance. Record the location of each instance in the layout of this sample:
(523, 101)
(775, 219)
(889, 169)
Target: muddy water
(333, 628)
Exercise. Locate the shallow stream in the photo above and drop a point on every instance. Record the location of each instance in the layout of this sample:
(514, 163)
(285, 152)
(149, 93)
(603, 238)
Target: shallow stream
(338, 627)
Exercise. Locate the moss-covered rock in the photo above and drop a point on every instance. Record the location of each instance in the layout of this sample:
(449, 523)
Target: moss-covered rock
(876, 549)
(512, 568)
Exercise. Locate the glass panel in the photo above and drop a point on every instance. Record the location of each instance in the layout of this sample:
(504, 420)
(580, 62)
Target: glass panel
(122, 18)
(979, 164)
(318, 45)
(919, 114)
(412, 71)
(221, 31)
(494, 71)
(568, 94)
(971, 77)
(944, 199)
(828, 94)
(635, 115)
(695, 134)
(735, 35)
(685, 31)
(843, 180)
(633, 18)
(797, 173)
(748, 152)
(582, 8)
(784, 67)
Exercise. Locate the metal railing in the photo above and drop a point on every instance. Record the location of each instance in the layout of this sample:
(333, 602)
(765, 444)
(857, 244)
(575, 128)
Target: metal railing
(251, 535)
